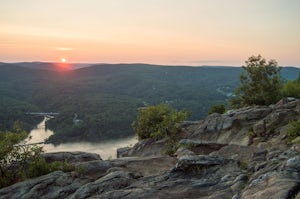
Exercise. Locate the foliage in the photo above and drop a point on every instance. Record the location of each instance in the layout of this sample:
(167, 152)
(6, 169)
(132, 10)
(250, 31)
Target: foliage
(160, 121)
(15, 155)
(260, 85)
(243, 165)
(220, 108)
(12, 110)
(292, 88)
(40, 167)
(293, 130)
(106, 96)
(19, 160)
(80, 169)
(171, 146)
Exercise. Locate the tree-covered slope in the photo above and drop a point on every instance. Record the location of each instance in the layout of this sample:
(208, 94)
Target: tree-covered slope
(105, 97)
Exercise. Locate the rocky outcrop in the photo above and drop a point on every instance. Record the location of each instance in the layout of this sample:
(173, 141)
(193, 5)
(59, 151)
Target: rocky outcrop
(242, 154)
(146, 147)
(54, 185)
(71, 157)
(274, 179)
(239, 126)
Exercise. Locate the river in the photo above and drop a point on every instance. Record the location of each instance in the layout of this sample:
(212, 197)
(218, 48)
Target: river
(106, 149)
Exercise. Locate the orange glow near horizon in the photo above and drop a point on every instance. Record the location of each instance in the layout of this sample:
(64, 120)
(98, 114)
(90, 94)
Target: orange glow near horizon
(63, 66)
(63, 60)
(206, 32)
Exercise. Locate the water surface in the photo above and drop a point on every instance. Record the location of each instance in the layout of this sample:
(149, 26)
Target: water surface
(106, 149)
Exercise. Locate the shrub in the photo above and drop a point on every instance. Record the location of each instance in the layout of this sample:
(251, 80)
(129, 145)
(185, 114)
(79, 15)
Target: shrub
(293, 130)
(41, 167)
(15, 155)
(80, 169)
(171, 147)
(220, 108)
(160, 121)
(292, 89)
(19, 160)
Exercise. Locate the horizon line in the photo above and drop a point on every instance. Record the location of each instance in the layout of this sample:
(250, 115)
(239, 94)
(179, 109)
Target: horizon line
(134, 63)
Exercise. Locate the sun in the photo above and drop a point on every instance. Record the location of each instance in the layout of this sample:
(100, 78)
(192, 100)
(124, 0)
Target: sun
(63, 60)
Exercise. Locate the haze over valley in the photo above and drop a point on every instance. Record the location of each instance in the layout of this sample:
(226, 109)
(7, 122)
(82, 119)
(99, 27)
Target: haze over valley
(99, 102)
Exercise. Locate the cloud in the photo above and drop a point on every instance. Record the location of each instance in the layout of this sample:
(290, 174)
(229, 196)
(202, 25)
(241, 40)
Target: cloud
(63, 48)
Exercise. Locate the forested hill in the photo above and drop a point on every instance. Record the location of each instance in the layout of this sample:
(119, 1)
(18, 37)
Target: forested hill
(106, 96)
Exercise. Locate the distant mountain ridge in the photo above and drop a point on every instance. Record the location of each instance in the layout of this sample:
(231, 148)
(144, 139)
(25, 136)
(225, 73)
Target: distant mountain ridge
(106, 96)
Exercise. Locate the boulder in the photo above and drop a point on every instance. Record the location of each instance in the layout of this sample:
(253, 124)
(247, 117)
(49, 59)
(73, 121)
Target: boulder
(123, 152)
(146, 166)
(200, 147)
(182, 151)
(53, 185)
(71, 157)
(271, 185)
(145, 147)
(94, 169)
(237, 152)
(234, 126)
(112, 181)
(189, 161)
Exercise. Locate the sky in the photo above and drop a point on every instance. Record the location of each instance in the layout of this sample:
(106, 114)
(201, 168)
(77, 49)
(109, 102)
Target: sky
(172, 32)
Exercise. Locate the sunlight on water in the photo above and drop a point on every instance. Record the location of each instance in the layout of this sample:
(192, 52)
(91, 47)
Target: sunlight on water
(106, 149)
(39, 134)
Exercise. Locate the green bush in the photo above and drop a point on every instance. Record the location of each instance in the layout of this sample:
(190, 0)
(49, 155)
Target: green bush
(220, 108)
(20, 161)
(80, 169)
(292, 89)
(160, 121)
(15, 155)
(293, 130)
(171, 147)
(37, 168)
(41, 167)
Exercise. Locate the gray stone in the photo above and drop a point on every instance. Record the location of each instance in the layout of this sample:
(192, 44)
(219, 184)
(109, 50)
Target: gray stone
(71, 157)
(123, 152)
(146, 147)
(271, 185)
(112, 181)
(182, 151)
(94, 169)
(273, 167)
(293, 163)
(54, 185)
(188, 161)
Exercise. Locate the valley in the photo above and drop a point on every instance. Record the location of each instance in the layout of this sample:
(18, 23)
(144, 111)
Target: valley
(105, 97)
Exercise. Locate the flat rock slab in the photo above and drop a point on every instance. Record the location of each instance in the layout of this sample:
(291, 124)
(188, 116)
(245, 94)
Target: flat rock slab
(147, 166)
(76, 156)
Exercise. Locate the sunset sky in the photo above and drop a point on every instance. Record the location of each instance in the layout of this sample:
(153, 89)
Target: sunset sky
(182, 32)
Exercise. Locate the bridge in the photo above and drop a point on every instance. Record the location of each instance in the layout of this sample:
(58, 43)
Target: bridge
(42, 113)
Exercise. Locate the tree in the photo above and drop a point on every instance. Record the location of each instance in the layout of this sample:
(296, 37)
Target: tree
(260, 83)
(158, 121)
(292, 88)
(15, 155)
(19, 160)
